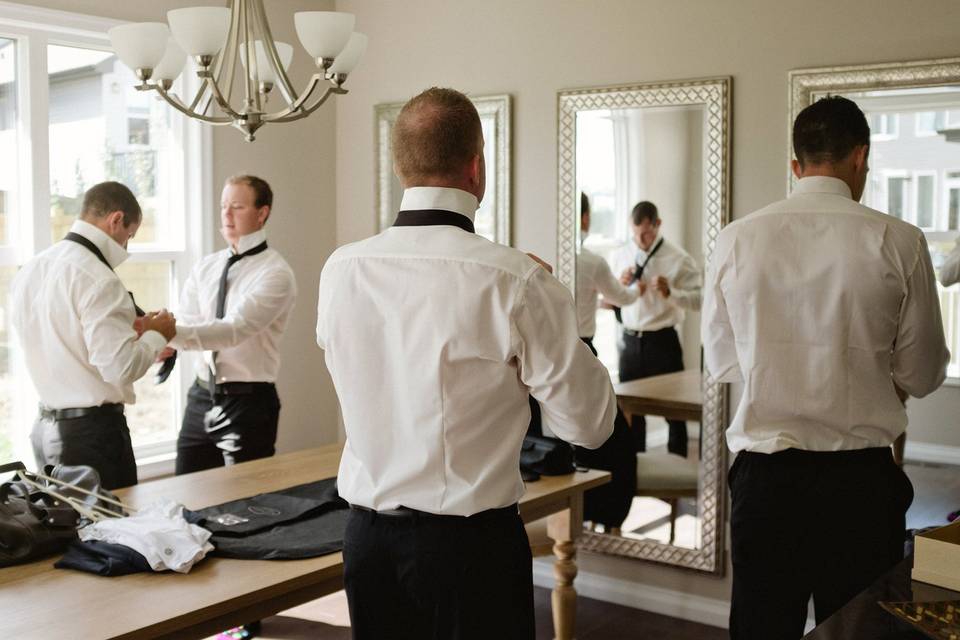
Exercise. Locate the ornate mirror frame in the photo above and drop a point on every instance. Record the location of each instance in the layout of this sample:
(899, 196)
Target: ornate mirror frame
(715, 95)
(498, 180)
(809, 85)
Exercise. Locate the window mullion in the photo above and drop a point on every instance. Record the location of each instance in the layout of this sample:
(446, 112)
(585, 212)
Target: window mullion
(35, 109)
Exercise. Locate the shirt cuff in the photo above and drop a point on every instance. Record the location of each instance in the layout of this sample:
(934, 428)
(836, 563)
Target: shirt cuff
(154, 339)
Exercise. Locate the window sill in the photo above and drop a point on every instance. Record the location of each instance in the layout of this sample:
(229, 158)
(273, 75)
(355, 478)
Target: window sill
(155, 467)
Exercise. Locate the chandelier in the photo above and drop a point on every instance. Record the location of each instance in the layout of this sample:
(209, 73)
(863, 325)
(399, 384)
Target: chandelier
(217, 38)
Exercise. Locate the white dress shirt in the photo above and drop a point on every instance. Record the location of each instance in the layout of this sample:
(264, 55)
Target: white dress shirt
(261, 291)
(594, 277)
(820, 305)
(74, 319)
(652, 311)
(434, 337)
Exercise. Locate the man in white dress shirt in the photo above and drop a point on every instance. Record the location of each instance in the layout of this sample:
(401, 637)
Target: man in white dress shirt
(607, 505)
(668, 283)
(435, 337)
(233, 311)
(826, 312)
(75, 323)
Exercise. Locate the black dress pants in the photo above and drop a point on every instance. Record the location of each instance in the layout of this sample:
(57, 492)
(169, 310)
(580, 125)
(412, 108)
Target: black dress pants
(246, 427)
(100, 441)
(653, 353)
(804, 523)
(419, 576)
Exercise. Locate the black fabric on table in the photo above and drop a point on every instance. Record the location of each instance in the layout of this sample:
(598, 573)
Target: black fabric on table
(102, 558)
(300, 522)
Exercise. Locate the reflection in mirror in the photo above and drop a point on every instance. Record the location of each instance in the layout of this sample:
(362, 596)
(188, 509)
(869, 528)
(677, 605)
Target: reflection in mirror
(493, 217)
(641, 198)
(914, 114)
(624, 157)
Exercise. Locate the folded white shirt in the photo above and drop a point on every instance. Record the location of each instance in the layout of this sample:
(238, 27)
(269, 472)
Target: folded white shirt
(159, 533)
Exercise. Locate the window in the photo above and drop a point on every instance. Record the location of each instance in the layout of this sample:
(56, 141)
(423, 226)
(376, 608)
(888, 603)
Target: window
(88, 125)
(925, 196)
(884, 126)
(897, 196)
(927, 123)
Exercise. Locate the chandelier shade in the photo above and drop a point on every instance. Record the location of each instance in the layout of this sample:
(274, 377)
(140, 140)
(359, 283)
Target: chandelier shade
(141, 45)
(240, 66)
(201, 31)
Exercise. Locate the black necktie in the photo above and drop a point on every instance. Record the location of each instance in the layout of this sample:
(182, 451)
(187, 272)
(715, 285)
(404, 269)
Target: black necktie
(638, 272)
(222, 295)
(168, 363)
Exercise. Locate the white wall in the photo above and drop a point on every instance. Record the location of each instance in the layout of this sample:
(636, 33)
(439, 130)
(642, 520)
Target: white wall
(533, 48)
(298, 161)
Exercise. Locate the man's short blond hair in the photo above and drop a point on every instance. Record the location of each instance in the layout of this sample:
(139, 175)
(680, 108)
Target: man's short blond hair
(436, 134)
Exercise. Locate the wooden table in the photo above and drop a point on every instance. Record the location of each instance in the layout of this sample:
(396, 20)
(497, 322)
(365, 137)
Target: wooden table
(675, 396)
(38, 601)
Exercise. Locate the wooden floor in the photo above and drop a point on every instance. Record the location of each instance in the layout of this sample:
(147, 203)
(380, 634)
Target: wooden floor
(596, 620)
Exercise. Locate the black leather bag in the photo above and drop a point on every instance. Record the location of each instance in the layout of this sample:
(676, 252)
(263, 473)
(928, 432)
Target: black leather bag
(540, 455)
(33, 524)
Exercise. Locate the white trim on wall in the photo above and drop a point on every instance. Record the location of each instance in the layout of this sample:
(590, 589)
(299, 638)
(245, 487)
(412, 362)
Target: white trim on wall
(667, 602)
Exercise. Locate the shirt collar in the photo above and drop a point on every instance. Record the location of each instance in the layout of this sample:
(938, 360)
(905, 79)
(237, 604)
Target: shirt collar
(443, 198)
(249, 241)
(822, 184)
(111, 250)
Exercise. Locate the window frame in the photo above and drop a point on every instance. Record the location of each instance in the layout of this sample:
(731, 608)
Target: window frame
(33, 29)
(914, 198)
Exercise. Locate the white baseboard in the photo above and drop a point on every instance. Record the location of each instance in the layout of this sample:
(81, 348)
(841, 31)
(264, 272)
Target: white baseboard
(932, 453)
(667, 602)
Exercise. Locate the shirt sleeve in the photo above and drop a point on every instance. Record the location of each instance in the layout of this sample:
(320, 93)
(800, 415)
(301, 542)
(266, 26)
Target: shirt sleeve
(950, 271)
(106, 316)
(273, 293)
(920, 355)
(572, 386)
(608, 285)
(686, 290)
(719, 343)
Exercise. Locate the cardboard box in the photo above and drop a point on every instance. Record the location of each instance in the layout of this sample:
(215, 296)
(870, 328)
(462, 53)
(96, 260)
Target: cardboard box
(936, 557)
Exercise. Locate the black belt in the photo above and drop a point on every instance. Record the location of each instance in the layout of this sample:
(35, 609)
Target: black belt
(407, 512)
(639, 334)
(236, 388)
(83, 412)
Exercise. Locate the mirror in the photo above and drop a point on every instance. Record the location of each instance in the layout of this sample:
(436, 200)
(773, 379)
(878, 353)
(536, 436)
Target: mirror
(666, 144)
(493, 216)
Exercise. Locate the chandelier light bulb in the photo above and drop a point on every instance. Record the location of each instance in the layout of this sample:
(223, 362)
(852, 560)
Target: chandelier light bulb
(200, 31)
(323, 34)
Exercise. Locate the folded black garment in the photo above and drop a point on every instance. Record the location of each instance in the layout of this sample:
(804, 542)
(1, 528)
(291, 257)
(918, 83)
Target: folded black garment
(300, 522)
(102, 558)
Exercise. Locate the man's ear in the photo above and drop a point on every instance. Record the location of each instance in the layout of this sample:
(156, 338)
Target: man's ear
(262, 214)
(115, 219)
(860, 156)
(797, 169)
(474, 170)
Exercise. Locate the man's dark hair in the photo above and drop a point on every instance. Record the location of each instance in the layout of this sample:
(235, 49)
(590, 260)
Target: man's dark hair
(644, 210)
(263, 194)
(828, 131)
(584, 205)
(103, 199)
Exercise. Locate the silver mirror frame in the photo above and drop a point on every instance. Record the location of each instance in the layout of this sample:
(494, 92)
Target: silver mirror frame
(809, 85)
(499, 188)
(715, 94)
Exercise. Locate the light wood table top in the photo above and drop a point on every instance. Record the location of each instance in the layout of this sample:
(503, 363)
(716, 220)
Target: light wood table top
(675, 396)
(38, 601)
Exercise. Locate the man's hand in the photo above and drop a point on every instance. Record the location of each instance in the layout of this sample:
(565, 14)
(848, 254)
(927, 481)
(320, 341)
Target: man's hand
(541, 262)
(166, 353)
(163, 322)
(627, 276)
(663, 287)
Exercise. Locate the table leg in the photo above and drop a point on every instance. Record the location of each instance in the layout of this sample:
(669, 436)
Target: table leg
(563, 528)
